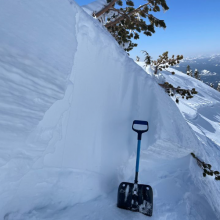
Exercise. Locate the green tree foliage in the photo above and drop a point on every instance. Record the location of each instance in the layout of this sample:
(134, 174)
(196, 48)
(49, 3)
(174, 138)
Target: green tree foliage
(187, 68)
(206, 168)
(218, 88)
(172, 91)
(190, 73)
(125, 22)
(196, 74)
(164, 62)
(147, 58)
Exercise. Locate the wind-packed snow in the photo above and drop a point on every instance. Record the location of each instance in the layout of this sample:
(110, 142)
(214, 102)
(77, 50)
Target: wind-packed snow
(36, 47)
(202, 113)
(94, 6)
(69, 95)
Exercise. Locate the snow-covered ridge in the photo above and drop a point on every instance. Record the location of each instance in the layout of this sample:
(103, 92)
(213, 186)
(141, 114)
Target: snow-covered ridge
(210, 57)
(207, 73)
(203, 116)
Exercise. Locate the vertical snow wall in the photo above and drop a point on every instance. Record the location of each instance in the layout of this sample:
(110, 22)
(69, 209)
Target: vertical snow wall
(79, 141)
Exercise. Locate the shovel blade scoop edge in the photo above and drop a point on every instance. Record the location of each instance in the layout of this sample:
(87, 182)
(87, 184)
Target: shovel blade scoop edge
(135, 197)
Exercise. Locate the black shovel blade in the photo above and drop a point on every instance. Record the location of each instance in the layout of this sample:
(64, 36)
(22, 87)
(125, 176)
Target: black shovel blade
(139, 200)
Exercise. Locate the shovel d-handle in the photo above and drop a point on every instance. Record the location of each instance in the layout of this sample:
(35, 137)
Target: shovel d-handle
(140, 132)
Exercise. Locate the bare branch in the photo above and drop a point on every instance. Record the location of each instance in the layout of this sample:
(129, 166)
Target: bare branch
(123, 16)
(106, 8)
(119, 12)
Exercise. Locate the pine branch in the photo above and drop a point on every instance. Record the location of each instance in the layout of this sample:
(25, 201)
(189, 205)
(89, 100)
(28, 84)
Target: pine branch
(105, 9)
(171, 90)
(126, 23)
(116, 21)
(164, 62)
(122, 13)
(206, 168)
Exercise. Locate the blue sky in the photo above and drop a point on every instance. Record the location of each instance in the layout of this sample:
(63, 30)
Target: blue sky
(193, 29)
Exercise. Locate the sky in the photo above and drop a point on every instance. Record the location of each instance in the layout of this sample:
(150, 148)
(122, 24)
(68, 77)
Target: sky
(193, 29)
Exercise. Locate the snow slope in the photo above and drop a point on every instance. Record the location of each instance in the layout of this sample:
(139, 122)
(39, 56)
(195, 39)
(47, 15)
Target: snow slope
(201, 112)
(36, 47)
(69, 95)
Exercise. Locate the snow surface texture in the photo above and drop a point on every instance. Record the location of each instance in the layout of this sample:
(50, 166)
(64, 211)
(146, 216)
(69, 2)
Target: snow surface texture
(94, 6)
(202, 113)
(69, 95)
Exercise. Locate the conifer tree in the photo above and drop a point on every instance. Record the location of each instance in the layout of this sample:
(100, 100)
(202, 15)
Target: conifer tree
(125, 23)
(173, 91)
(218, 88)
(190, 73)
(164, 62)
(188, 70)
(147, 58)
(196, 74)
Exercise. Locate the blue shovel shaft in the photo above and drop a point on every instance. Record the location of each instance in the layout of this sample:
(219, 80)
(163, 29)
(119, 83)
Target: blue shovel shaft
(140, 132)
(138, 155)
(137, 161)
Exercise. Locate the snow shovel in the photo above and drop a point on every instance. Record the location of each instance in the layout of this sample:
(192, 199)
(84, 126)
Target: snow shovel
(133, 196)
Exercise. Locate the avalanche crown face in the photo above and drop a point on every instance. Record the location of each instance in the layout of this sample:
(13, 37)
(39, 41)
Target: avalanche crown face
(68, 94)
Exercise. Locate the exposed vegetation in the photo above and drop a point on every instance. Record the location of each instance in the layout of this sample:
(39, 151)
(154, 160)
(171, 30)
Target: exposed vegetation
(126, 23)
(172, 91)
(206, 168)
(162, 63)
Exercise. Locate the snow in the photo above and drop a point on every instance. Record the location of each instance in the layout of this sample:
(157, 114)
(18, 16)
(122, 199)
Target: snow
(207, 73)
(94, 6)
(69, 95)
(203, 116)
(32, 57)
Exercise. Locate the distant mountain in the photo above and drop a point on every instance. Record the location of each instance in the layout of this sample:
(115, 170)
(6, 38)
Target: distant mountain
(214, 59)
(208, 66)
(207, 73)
